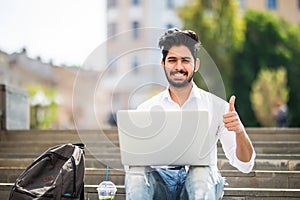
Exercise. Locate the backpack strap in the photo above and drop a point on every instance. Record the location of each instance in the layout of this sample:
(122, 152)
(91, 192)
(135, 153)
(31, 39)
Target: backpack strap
(81, 146)
(82, 193)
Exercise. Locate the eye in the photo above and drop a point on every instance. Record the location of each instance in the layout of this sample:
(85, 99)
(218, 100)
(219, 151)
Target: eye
(186, 61)
(172, 60)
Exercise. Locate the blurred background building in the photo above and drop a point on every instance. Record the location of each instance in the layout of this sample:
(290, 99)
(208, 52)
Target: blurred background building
(132, 70)
(288, 10)
(133, 29)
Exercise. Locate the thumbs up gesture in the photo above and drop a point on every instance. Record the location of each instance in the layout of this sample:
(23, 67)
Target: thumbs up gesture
(231, 119)
(231, 104)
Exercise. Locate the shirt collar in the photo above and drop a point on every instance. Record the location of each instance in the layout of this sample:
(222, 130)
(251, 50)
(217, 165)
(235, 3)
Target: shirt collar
(194, 93)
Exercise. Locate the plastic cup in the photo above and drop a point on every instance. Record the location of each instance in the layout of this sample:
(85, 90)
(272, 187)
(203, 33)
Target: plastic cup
(106, 190)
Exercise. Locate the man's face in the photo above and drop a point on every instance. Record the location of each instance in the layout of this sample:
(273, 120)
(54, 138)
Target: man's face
(179, 66)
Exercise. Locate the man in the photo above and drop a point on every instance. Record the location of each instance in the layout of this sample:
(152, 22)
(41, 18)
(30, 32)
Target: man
(180, 62)
(282, 119)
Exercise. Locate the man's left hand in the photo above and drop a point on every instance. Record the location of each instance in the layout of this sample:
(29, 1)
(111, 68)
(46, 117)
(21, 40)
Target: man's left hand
(231, 119)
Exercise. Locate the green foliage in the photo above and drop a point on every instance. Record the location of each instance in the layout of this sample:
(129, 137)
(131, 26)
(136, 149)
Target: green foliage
(220, 29)
(272, 42)
(43, 107)
(269, 88)
(241, 47)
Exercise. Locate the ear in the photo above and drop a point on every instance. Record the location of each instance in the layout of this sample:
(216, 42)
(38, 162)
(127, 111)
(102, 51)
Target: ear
(197, 65)
(162, 64)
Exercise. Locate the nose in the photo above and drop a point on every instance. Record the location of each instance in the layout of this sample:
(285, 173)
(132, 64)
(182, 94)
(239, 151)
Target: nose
(179, 65)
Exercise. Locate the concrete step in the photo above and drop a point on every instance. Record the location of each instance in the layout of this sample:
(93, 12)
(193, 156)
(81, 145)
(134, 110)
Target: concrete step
(34, 147)
(275, 174)
(261, 194)
(229, 193)
(236, 179)
(262, 179)
(114, 154)
(254, 179)
(266, 164)
(276, 147)
(256, 134)
(274, 134)
(44, 145)
(282, 163)
(60, 136)
(33, 150)
(90, 192)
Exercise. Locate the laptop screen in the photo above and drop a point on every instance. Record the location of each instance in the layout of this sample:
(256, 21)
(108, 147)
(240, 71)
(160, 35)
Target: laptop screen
(164, 137)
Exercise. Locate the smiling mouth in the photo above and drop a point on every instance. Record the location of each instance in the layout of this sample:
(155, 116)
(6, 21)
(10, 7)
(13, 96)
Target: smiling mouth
(179, 73)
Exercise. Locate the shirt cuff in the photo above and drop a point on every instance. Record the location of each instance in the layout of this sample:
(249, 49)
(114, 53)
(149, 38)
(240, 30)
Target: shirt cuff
(244, 167)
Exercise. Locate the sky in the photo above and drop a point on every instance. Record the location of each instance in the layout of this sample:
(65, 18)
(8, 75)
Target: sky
(62, 31)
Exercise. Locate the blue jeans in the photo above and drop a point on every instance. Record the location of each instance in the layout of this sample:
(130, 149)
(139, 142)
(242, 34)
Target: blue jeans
(145, 183)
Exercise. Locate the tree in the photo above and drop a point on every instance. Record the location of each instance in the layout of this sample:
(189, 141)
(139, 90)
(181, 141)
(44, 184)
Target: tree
(293, 73)
(268, 89)
(43, 106)
(220, 29)
(269, 41)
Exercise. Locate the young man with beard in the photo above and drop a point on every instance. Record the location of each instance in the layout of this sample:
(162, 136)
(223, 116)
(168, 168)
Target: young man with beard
(180, 62)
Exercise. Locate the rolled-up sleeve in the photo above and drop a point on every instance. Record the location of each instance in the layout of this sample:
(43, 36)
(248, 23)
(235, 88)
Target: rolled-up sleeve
(244, 167)
(229, 146)
(228, 141)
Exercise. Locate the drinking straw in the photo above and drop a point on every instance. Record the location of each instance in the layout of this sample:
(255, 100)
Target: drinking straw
(106, 173)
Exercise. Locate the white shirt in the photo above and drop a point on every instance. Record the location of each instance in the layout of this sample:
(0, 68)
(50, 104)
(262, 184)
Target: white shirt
(216, 107)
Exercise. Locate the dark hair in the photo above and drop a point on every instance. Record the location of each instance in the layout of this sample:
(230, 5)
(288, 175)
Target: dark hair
(176, 37)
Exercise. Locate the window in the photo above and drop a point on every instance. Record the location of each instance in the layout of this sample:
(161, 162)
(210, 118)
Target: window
(299, 4)
(135, 64)
(112, 29)
(272, 4)
(242, 4)
(111, 3)
(113, 64)
(169, 26)
(135, 2)
(135, 26)
(170, 4)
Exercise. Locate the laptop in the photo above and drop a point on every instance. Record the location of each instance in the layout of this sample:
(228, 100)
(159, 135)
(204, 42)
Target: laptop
(159, 138)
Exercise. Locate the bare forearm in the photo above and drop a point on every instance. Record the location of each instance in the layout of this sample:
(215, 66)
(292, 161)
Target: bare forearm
(244, 148)
(232, 122)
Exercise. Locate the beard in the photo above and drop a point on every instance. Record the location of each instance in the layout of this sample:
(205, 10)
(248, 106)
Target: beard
(179, 84)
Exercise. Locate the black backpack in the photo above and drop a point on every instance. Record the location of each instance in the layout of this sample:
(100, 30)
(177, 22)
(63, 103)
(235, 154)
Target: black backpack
(56, 174)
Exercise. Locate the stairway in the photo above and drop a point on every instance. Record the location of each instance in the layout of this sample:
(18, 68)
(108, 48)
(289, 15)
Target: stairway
(276, 174)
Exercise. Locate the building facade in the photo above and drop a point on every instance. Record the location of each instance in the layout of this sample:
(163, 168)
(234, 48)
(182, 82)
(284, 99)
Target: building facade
(133, 27)
(287, 9)
(76, 93)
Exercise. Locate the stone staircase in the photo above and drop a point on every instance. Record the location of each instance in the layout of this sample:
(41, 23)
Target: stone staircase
(276, 174)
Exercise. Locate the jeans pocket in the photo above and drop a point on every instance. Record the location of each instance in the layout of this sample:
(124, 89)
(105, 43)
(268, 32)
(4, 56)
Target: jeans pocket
(219, 185)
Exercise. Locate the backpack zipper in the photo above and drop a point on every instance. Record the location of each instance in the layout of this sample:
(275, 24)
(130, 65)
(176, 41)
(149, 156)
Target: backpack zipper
(32, 195)
(74, 175)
